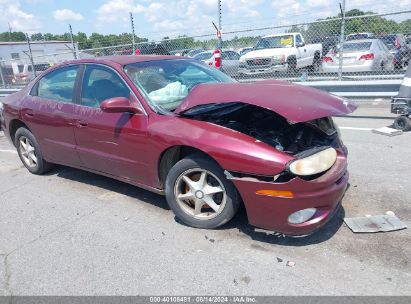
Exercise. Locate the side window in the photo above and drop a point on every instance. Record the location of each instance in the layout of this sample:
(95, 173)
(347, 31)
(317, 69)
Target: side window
(58, 85)
(101, 83)
(298, 39)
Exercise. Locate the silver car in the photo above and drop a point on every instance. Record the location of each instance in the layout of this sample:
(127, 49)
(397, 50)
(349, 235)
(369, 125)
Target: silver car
(364, 55)
(230, 60)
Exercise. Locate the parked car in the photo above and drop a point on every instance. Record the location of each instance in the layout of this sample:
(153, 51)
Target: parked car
(230, 60)
(7, 75)
(183, 52)
(282, 52)
(179, 128)
(194, 52)
(328, 43)
(152, 49)
(397, 45)
(24, 72)
(360, 36)
(360, 56)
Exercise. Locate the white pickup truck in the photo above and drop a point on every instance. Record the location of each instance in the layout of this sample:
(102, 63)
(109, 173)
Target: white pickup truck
(281, 53)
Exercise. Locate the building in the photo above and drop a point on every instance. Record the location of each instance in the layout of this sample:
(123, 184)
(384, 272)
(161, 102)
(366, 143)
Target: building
(16, 67)
(43, 52)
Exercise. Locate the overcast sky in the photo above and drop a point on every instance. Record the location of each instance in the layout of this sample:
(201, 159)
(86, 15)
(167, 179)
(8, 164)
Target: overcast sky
(159, 18)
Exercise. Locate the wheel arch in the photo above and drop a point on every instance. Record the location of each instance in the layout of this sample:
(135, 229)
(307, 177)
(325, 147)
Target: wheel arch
(14, 125)
(169, 157)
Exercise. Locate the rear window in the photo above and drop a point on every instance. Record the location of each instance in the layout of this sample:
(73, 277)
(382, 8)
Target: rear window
(357, 46)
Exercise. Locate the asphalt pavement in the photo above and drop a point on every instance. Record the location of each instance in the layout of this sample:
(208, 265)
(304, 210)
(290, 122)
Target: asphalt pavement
(70, 232)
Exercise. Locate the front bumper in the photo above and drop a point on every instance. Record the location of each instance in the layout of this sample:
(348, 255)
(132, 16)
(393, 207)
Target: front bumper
(271, 213)
(367, 66)
(255, 70)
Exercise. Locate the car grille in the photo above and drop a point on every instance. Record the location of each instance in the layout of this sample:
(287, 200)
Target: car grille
(259, 62)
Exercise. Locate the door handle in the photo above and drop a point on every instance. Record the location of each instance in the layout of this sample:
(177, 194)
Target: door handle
(29, 113)
(81, 124)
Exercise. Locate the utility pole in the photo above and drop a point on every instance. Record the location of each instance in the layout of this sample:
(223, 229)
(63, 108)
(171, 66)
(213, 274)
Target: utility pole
(9, 31)
(342, 38)
(132, 32)
(72, 42)
(220, 39)
(31, 55)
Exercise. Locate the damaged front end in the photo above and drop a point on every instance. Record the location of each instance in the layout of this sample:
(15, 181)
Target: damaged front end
(301, 140)
(307, 193)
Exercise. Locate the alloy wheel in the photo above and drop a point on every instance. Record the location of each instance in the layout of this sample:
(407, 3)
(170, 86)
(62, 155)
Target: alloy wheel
(28, 152)
(200, 194)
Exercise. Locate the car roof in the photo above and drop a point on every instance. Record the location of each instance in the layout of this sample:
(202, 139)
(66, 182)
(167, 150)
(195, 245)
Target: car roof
(360, 41)
(123, 59)
(282, 34)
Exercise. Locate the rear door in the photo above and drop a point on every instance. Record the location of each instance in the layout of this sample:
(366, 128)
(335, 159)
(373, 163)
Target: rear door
(49, 113)
(112, 143)
(303, 52)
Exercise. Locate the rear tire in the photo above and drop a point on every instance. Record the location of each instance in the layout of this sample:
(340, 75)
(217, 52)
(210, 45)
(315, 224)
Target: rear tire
(199, 193)
(315, 67)
(29, 152)
(402, 123)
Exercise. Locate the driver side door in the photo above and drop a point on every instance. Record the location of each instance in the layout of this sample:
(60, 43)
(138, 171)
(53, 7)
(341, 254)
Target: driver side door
(111, 143)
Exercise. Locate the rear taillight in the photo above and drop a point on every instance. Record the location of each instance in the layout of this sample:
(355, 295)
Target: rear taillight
(327, 59)
(369, 56)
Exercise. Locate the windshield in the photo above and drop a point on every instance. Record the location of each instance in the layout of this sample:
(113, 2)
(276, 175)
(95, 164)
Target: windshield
(165, 83)
(204, 56)
(194, 52)
(285, 41)
(357, 46)
(358, 36)
(390, 41)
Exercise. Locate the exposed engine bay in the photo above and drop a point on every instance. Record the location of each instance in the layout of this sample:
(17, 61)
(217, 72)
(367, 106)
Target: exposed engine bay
(267, 126)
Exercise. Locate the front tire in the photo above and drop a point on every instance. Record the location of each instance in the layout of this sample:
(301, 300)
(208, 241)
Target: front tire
(29, 152)
(402, 123)
(199, 193)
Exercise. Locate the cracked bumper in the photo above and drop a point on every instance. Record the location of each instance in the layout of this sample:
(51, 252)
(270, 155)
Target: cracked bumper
(271, 213)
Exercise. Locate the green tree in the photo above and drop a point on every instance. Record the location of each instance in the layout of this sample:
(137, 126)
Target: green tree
(37, 37)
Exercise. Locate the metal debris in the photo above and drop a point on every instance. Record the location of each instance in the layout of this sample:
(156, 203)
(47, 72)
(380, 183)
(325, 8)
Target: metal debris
(279, 260)
(377, 223)
(387, 131)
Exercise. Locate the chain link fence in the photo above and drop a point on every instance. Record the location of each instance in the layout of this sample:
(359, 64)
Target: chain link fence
(366, 47)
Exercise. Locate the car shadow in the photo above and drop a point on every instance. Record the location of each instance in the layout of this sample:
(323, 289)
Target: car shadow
(239, 221)
(109, 184)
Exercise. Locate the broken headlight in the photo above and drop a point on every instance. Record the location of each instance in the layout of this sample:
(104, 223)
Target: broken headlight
(313, 163)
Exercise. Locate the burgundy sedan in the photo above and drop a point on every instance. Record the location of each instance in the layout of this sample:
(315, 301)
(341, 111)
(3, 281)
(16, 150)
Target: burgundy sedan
(179, 128)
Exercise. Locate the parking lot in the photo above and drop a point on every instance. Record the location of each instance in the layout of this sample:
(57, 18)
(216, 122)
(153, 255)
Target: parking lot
(75, 233)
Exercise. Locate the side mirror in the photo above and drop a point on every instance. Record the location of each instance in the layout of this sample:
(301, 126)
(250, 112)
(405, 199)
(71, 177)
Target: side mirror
(300, 44)
(119, 105)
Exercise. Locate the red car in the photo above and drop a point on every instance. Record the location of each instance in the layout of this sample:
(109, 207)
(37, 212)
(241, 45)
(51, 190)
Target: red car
(177, 127)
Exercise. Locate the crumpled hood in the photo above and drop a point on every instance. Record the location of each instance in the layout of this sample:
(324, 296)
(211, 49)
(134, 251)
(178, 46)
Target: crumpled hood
(294, 102)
